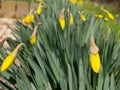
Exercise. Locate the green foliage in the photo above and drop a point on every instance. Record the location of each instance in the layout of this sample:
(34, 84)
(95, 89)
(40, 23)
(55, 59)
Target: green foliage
(60, 58)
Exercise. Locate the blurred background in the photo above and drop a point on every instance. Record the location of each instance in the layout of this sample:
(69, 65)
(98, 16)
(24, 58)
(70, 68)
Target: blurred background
(19, 8)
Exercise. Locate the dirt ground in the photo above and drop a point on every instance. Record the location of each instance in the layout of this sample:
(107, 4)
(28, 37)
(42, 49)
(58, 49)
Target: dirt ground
(8, 11)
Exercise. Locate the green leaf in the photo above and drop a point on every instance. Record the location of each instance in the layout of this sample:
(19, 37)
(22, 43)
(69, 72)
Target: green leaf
(81, 76)
(70, 78)
(106, 83)
(100, 79)
(112, 82)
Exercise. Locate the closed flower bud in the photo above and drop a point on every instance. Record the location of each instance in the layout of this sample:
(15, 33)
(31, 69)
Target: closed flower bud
(80, 2)
(62, 19)
(71, 19)
(82, 16)
(10, 58)
(73, 1)
(109, 14)
(94, 56)
(33, 38)
(28, 19)
(99, 16)
(39, 10)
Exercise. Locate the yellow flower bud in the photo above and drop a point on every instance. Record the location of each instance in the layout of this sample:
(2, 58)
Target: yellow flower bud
(62, 23)
(80, 2)
(95, 62)
(99, 16)
(33, 38)
(94, 56)
(71, 19)
(62, 19)
(73, 1)
(39, 10)
(10, 58)
(82, 16)
(109, 14)
(29, 19)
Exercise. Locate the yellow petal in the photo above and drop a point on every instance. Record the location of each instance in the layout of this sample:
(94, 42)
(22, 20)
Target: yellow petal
(39, 10)
(73, 1)
(62, 23)
(99, 16)
(82, 17)
(33, 40)
(10, 58)
(28, 19)
(110, 15)
(71, 19)
(8, 61)
(80, 2)
(95, 62)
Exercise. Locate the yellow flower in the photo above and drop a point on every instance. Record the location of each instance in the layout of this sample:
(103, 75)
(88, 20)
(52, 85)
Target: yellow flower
(71, 19)
(73, 1)
(62, 19)
(10, 58)
(29, 19)
(94, 56)
(109, 14)
(39, 10)
(99, 16)
(62, 23)
(82, 17)
(33, 38)
(95, 62)
(79, 2)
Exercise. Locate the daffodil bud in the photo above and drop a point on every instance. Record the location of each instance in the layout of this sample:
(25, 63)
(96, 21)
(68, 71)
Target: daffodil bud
(71, 19)
(33, 38)
(109, 14)
(94, 56)
(93, 47)
(10, 58)
(28, 19)
(80, 2)
(39, 9)
(62, 19)
(99, 16)
(73, 1)
(83, 18)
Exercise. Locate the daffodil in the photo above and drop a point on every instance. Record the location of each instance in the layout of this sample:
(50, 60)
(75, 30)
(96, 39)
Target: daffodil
(33, 37)
(73, 1)
(94, 56)
(10, 58)
(80, 2)
(99, 16)
(109, 14)
(28, 19)
(62, 19)
(95, 62)
(71, 19)
(40, 7)
(83, 18)
(39, 10)
(62, 23)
